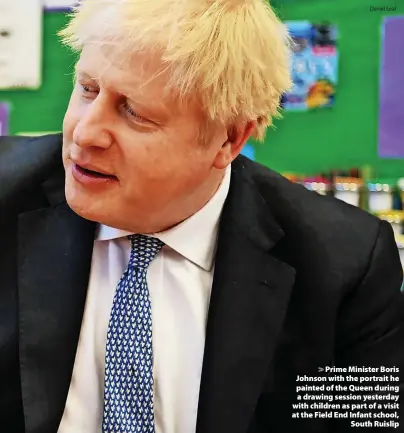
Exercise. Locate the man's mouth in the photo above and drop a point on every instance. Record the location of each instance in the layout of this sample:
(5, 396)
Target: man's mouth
(94, 174)
(91, 177)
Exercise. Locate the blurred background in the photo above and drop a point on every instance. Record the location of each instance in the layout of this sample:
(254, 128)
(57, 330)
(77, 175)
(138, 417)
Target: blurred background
(342, 131)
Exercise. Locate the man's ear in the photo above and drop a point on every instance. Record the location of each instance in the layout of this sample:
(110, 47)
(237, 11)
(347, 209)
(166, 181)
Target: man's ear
(237, 136)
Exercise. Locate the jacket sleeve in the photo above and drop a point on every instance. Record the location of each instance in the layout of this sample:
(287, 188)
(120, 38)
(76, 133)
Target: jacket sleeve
(370, 333)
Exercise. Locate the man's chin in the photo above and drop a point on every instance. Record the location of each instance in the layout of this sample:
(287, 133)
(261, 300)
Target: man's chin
(103, 211)
(82, 210)
(92, 211)
(81, 205)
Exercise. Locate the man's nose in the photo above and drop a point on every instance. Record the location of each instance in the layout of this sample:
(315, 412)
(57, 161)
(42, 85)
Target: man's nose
(92, 128)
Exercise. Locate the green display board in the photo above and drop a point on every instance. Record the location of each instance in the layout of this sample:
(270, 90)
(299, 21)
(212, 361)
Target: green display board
(340, 137)
(345, 135)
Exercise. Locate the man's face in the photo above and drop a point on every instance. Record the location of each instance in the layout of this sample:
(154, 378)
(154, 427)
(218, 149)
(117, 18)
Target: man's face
(122, 123)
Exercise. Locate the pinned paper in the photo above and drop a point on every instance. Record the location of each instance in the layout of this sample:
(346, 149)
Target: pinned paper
(314, 66)
(58, 5)
(20, 44)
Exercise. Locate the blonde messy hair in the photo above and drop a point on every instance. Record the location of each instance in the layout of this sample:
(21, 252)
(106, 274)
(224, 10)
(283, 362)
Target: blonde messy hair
(235, 52)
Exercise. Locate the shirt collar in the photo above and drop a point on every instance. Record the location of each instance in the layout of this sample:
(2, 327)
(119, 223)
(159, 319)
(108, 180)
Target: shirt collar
(196, 237)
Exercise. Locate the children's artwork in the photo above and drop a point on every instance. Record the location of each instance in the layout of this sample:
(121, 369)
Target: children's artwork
(3, 119)
(391, 113)
(314, 66)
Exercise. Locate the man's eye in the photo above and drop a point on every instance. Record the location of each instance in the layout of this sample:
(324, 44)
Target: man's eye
(132, 113)
(130, 110)
(88, 89)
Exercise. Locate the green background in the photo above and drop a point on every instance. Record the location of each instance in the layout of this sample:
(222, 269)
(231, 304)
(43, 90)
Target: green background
(341, 137)
(347, 134)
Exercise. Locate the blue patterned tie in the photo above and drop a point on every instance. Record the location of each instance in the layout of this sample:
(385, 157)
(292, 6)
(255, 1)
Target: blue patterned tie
(128, 396)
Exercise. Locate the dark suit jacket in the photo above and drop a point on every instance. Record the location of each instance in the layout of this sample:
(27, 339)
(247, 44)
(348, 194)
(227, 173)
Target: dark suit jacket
(301, 282)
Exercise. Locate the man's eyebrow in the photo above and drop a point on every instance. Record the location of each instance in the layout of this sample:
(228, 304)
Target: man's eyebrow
(82, 74)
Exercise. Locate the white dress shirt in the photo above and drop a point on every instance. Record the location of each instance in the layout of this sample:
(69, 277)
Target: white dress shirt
(180, 282)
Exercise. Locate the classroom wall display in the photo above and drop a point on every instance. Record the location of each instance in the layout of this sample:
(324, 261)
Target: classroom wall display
(391, 113)
(303, 142)
(314, 66)
(4, 113)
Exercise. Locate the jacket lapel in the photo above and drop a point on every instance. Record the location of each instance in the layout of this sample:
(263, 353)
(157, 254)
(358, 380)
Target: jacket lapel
(55, 248)
(250, 294)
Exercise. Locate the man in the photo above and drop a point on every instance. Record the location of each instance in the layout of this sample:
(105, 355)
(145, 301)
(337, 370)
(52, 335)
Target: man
(153, 280)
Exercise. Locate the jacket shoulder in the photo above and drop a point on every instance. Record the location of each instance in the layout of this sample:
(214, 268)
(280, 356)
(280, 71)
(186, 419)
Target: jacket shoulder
(314, 223)
(25, 162)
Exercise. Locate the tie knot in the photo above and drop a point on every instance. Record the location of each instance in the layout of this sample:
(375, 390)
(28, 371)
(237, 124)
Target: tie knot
(144, 250)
